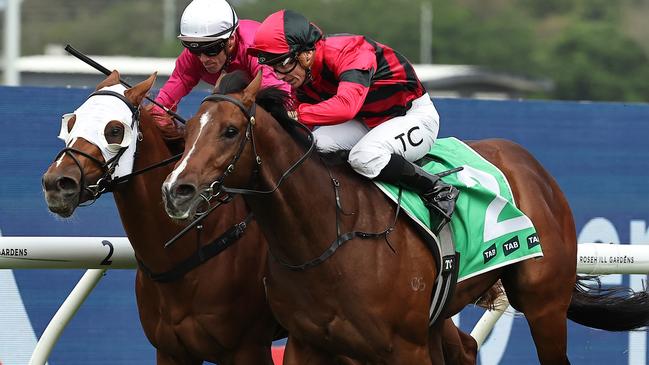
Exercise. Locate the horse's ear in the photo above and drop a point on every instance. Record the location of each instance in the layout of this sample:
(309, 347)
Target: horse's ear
(112, 79)
(139, 91)
(218, 83)
(250, 92)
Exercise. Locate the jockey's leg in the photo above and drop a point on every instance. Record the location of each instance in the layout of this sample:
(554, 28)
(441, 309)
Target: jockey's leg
(339, 137)
(438, 196)
(387, 151)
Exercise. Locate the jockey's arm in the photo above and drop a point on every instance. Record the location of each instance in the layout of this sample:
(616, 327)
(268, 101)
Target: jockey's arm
(342, 107)
(183, 79)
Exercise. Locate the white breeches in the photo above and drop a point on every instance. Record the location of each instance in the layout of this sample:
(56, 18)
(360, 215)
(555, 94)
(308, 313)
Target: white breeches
(410, 136)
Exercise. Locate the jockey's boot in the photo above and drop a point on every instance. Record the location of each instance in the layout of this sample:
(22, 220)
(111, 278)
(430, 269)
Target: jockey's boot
(438, 196)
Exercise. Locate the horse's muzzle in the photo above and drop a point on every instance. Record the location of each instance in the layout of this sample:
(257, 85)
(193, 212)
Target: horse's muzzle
(61, 194)
(179, 200)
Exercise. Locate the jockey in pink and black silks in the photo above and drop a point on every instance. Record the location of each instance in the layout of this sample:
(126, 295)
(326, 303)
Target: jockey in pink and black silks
(215, 41)
(361, 96)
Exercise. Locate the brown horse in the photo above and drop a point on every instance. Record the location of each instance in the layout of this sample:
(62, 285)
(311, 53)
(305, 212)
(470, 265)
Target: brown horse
(215, 312)
(359, 303)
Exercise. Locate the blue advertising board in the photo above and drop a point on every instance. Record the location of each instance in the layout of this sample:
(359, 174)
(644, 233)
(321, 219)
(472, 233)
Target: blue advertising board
(596, 151)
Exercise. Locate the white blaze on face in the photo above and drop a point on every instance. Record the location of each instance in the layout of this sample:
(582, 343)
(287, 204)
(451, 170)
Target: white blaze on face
(205, 117)
(60, 160)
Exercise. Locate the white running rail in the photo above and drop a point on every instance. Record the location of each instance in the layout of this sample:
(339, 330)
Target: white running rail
(592, 258)
(101, 253)
(66, 253)
(93, 253)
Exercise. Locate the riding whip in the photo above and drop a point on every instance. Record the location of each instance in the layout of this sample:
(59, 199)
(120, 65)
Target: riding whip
(107, 72)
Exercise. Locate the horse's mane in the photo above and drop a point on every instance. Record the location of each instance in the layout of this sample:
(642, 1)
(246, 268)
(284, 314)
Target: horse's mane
(173, 135)
(273, 100)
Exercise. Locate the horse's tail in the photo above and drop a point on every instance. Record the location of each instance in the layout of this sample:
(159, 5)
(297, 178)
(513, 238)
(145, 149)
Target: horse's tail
(610, 309)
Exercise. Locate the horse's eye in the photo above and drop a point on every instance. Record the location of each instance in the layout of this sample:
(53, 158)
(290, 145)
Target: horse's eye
(230, 132)
(115, 132)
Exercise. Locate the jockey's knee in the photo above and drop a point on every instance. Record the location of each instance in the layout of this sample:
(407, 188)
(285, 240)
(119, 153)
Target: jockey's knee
(326, 144)
(368, 162)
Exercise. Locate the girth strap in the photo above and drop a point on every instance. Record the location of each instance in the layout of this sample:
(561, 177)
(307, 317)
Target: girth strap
(447, 260)
(341, 238)
(336, 244)
(227, 239)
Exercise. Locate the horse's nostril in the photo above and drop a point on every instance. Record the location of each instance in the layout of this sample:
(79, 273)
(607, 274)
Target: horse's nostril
(184, 191)
(66, 184)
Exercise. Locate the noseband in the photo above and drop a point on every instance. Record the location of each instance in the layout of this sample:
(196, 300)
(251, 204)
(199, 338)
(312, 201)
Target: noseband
(106, 180)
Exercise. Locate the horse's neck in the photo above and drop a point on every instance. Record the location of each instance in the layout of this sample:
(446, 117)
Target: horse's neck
(304, 207)
(139, 202)
(150, 150)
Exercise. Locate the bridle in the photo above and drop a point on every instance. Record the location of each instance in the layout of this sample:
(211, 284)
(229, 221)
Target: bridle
(105, 181)
(216, 187)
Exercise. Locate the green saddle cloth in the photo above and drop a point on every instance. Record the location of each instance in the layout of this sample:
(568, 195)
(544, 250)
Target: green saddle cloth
(487, 228)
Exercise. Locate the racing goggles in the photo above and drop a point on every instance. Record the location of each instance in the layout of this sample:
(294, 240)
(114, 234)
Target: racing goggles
(282, 63)
(209, 49)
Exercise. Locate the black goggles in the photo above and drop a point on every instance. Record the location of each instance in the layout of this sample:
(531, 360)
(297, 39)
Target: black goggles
(280, 63)
(272, 59)
(209, 49)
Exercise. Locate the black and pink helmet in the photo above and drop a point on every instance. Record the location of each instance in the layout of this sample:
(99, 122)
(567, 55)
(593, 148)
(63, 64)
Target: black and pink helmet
(282, 35)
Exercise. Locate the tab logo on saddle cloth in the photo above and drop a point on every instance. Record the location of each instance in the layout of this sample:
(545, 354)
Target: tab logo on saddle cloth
(533, 240)
(489, 253)
(511, 245)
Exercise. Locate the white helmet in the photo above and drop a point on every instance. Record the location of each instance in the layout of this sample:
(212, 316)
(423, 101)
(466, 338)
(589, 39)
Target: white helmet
(207, 20)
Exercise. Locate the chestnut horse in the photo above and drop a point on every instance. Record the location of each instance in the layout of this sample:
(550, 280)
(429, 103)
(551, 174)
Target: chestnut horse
(359, 302)
(216, 311)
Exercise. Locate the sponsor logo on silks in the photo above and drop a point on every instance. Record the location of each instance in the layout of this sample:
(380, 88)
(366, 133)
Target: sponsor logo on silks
(511, 245)
(489, 253)
(533, 240)
(410, 138)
